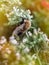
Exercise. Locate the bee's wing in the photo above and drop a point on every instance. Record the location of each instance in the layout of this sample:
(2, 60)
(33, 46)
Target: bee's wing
(18, 29)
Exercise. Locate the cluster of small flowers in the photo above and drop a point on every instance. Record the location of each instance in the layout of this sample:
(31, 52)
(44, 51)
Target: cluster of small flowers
(12, 1)
(8, 4)
(22, 13)
(35, 37)
(16, 15)
(44, 36)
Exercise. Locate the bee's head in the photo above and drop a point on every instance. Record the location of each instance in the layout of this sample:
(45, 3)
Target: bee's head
(27, 23)
(23, 20)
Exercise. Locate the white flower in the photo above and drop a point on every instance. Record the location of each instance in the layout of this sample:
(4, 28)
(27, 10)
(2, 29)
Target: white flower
(46, 38)
(13, 40)
(3, 40)
(35, 31)
(30, 34)
(18, 55)
(26, 49)
(34, 56)
(25, 40)
(14, 8)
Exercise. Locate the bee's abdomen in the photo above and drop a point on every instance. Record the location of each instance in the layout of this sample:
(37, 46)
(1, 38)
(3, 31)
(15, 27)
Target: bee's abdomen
(22, 28)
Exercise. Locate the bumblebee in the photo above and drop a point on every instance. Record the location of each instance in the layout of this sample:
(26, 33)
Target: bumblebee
(22, 28)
